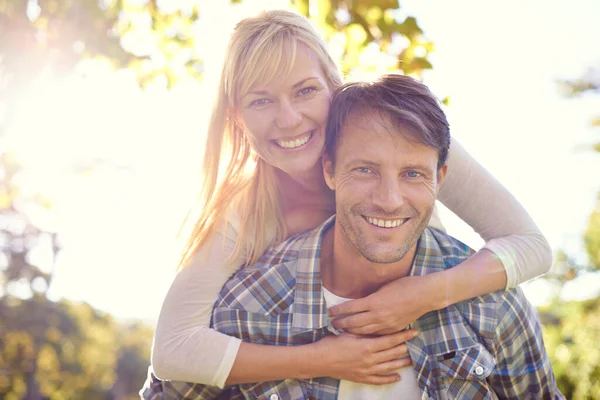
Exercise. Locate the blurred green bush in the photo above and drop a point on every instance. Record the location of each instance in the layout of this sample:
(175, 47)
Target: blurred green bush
(69, 351)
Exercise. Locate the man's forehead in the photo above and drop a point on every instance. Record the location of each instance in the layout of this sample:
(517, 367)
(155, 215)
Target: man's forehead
(375, 124)
(382, 140)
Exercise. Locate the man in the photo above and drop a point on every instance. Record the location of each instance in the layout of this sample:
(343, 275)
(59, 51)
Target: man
(385, 159)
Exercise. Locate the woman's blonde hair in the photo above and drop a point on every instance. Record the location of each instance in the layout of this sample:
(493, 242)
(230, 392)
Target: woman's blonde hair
(260, 48)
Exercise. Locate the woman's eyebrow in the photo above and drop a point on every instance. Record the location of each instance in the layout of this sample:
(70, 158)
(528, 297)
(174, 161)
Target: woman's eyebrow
(266, 92)
(257, 92)
(300, 83)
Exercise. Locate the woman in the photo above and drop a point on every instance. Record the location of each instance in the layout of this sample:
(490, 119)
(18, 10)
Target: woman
(264, 182)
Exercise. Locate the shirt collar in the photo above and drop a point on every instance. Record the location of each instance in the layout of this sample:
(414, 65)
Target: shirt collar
(310, 310)
(429, 257)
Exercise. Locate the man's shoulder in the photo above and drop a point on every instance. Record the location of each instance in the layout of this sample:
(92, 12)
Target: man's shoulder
(490, 306)
(260, 286)
(438, 243)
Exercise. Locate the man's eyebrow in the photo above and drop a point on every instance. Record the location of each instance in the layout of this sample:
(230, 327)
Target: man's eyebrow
(422, 167)
(265, 92)
(371, 163)
(362, 161)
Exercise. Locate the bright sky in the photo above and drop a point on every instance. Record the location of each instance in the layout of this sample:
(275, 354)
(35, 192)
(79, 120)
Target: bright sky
(498, 62)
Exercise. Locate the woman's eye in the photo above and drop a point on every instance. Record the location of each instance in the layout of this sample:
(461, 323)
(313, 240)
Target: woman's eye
(306, 91)
(258, 102)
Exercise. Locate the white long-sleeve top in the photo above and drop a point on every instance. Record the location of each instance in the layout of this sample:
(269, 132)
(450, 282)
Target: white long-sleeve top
(186, 349)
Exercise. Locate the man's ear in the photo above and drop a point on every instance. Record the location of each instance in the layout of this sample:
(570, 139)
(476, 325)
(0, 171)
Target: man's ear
(441, 175)
(328, 171)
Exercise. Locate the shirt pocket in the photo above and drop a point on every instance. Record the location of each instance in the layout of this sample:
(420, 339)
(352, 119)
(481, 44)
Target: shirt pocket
(463, 373)
(289, 389)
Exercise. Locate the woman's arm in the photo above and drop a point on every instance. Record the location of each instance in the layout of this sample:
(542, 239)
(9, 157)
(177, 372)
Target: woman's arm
(510, 234)
(515, 251)
(186, 349)
(373, 361)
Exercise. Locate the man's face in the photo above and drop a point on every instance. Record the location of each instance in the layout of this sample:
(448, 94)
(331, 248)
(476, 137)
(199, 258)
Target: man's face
(385, 187)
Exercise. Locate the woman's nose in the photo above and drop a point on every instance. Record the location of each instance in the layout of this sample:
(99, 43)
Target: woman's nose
(288, 116)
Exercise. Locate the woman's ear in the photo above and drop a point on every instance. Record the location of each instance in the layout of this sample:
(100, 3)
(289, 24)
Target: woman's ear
(328, 171)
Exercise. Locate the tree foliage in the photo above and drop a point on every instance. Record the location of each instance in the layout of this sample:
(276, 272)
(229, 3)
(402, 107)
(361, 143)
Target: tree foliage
(591, 236)
(587, 84)
(67, 350)
(571, 340)
(373, 35)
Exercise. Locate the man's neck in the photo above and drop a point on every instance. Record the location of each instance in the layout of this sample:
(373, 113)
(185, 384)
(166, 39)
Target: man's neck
(347, 274)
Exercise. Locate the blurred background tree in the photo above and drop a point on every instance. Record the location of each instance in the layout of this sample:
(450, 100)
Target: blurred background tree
(572, 329)
(67, 350)
(586, 85)
(589, 85)
(370, 36)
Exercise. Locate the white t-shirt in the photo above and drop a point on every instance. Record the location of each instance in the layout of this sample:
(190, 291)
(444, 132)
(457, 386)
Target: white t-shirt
(406, 388)
(185, 349)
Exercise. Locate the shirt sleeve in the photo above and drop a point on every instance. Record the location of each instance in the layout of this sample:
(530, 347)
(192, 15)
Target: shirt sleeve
(185, 348)
(522, 364)
(476, 197)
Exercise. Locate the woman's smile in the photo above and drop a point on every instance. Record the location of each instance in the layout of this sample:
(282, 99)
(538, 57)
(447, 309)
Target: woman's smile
(295, 143)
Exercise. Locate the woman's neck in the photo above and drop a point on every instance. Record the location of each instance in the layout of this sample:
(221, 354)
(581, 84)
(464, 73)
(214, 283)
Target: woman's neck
(305, 188)
(311, 181)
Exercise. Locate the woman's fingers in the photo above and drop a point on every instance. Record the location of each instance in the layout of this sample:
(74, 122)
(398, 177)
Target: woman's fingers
(364, 330)
(381, 379)
(349, 307)
(400, 351)
(392, 367)
(386, 373)
(386, 331)
(393, 340)
(353, 321)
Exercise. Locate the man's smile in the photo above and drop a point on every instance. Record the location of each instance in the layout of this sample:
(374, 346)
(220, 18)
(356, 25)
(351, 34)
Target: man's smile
(385, 223)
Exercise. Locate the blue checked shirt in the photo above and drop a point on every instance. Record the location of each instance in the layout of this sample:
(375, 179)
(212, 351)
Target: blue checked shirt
(489, 347)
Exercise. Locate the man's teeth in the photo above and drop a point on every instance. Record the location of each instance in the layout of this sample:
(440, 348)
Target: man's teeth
(385, 223)
(291, 144)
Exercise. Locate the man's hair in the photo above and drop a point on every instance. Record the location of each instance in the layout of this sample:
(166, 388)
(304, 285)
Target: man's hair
(404, 101)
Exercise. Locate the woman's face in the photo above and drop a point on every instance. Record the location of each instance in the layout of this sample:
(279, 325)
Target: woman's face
(285, 118)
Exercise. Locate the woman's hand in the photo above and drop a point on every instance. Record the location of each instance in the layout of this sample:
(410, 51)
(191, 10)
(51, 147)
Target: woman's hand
(362, 359)
(390, 309)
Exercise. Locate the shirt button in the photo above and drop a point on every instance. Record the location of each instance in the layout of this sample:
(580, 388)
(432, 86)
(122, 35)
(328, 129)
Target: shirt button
(478, 371)
(273, 397)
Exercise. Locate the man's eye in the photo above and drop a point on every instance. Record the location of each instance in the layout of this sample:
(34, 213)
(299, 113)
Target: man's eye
(364, 170)
(413, 174)
(306, 91)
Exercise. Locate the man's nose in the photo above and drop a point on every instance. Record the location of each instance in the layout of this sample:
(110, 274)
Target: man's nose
(389, 194)
(288, 116)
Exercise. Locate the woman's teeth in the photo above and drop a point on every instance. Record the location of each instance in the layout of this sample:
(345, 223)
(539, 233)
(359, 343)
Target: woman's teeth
(292, 144)
(385, 223)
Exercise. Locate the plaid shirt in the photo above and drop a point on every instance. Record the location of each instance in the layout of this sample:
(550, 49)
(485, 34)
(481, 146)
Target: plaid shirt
(489, 347)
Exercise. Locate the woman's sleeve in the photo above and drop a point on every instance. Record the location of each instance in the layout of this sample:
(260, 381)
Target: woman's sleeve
(185, 348)
(475, 196)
